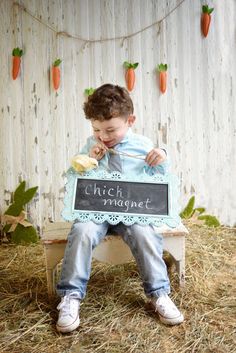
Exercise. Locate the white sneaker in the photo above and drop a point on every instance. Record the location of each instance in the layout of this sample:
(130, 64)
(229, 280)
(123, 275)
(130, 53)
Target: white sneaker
(68, 319)
(167, 311)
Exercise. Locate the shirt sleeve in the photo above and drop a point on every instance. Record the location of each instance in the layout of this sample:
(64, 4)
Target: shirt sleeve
(86, 148)
(143, 145)
(162, 168)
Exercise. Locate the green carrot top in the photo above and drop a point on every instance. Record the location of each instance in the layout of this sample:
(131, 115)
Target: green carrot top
(89, 91)
(162, 67)
(57, 62)
(17, 52)
(206, 9)
(128, 65)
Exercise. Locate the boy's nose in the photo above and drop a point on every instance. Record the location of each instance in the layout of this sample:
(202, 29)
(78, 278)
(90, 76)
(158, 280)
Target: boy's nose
(103, 136)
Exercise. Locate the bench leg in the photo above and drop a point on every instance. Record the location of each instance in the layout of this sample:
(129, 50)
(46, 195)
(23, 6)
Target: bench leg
(50, 281)
(53, 255)
(175, 245)
(180, 267)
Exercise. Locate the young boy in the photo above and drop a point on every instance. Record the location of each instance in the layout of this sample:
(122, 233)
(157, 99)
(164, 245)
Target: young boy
(110, 110)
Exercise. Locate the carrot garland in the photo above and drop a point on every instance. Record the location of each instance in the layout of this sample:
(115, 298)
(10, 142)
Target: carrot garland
(56, 76)
(162, 69)
(89, 91)
(130, 74)
(206, 19)
(16, 60)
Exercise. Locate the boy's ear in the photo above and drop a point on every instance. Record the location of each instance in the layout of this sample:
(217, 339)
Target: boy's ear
(131, 120)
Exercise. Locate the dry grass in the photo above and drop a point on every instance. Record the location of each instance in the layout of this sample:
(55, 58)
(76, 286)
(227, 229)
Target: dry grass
(115, 316)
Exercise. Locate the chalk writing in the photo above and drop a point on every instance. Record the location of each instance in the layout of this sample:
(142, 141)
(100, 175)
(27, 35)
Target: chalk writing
(121, 196)
(93, 189)
(128, 204)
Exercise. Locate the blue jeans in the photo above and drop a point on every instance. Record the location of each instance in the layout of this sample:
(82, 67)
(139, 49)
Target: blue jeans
(144, 242)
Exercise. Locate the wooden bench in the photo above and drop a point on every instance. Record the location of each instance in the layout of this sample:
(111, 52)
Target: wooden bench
(112, 249)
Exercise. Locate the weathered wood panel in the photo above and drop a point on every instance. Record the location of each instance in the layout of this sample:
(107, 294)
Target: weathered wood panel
(40, 129)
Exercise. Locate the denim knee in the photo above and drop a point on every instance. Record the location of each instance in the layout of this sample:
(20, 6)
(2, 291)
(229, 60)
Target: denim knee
(144, 235)
(88, 234)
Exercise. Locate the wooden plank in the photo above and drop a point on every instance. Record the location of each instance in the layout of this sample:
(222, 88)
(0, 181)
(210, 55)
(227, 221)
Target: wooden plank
(41, 129)
(57, 232)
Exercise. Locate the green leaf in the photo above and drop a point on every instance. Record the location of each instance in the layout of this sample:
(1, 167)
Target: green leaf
(189, 209)
(134, 65)
(57, 62)
(127, 64)
(6, 228)
(162, 67)
(14, 209)
(19, 191)
(200, 210)
(206, 9)
(17, 52)
(28, 195)
(89, 91)
(210, 221)
(24, 235)
(21, 197)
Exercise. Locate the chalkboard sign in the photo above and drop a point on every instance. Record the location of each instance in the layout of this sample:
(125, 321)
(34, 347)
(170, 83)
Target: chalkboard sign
(121, 196)
(101, 196)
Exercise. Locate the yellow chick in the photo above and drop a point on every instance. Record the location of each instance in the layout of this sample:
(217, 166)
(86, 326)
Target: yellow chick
(83, 163)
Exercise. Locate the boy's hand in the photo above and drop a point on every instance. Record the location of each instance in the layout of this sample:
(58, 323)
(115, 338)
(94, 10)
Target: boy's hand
(155, 157)
(97, 151)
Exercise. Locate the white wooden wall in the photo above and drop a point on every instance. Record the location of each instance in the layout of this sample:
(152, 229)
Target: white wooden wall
(40, 129)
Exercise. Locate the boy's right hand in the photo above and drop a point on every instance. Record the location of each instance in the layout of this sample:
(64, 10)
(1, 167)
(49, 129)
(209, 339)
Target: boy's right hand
(98, 151)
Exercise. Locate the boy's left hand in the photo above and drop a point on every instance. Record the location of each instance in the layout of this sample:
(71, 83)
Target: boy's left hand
(155, 157)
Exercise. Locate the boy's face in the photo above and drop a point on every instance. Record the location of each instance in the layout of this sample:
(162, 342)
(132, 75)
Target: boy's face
(111, 132)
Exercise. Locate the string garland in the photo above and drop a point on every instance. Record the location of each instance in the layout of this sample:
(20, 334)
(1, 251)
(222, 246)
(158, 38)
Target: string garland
(114, 151)
(87, 40)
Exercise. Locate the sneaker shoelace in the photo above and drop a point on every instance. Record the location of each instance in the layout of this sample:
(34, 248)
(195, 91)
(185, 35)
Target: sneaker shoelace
(166, 304)
(66, 306)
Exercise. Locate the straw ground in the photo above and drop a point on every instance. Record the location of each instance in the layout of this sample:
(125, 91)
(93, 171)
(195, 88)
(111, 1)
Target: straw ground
(115, 316)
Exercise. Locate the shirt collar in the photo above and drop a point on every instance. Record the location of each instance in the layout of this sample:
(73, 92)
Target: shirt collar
(127, 136)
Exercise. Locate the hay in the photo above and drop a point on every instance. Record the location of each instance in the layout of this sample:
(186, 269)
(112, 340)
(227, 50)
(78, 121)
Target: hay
(115, 316)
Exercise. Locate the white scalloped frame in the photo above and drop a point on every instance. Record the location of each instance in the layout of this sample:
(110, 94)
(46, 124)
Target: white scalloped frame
(172, 219)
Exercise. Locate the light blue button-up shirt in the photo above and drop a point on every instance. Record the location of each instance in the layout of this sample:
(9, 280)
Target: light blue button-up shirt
(132, 144)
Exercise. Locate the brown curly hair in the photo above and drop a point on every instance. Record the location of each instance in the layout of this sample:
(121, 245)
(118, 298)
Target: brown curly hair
(108, 101)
